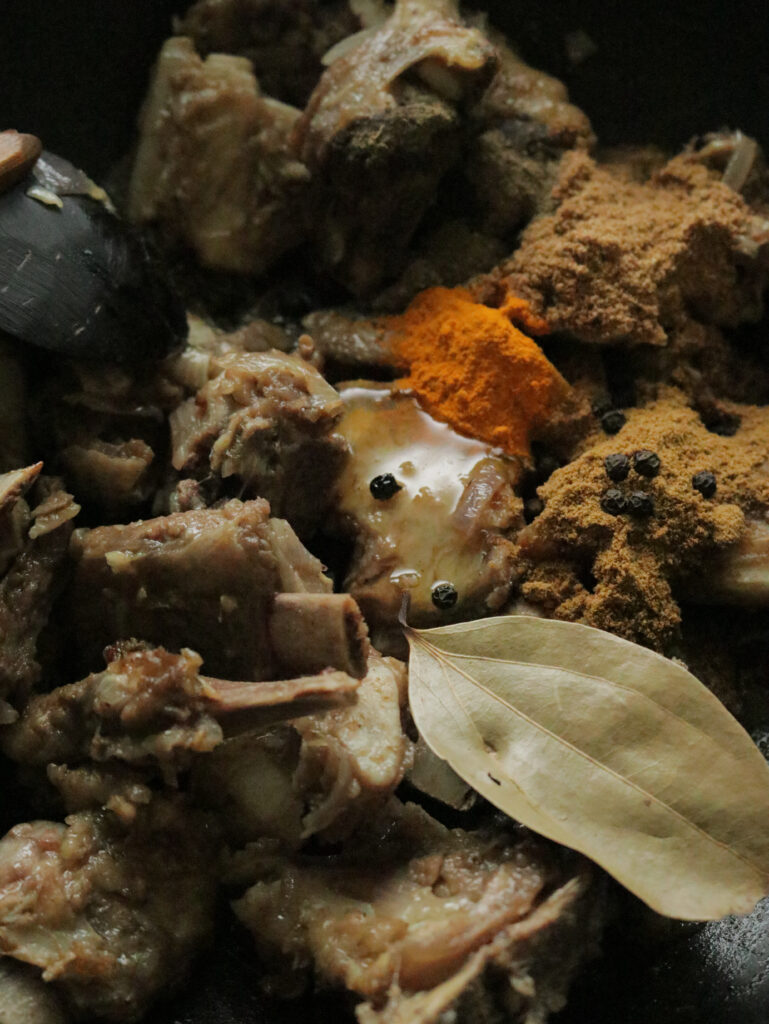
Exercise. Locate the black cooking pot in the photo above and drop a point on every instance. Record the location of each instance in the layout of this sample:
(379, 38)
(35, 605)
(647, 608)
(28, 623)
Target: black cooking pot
(74, 71)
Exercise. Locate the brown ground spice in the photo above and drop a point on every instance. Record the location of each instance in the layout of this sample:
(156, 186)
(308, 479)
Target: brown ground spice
(629, 261)
(619, 572)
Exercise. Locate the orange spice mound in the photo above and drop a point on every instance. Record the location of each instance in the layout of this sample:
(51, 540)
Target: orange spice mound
(470, 367)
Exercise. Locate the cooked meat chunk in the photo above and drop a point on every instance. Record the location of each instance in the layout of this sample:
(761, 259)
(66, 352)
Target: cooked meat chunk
(448, 521)
(206, 344)
(740, 575)
(14, 511)
(412, 914)
(151, 710)
(25, 998)
(248, 783)
(29, 588)
(267, 419)
(112, 475)
(525, 124)
(210, 578)
(351, 759)
(283, 41)
(213, 166)
(348, 338)
(322, 775)
(104, 428)
(630, 262)
(523, 94)
(147, 706)
(119, 788)
(378, 140)
(111, 916)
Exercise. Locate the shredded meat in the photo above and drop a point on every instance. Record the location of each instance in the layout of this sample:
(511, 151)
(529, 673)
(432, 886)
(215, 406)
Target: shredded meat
(104, 429)
(274, 35)
(112, 475)
(410, 916)
(213, 165)
(147, 706)
(112, 917)
(322, 775)
(378, 141)
(267, 419)
(119, 788)
(210, 577)
(28, 590)
(14, 511)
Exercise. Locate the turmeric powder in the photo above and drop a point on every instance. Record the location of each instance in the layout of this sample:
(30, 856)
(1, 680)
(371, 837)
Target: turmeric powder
(470, 367)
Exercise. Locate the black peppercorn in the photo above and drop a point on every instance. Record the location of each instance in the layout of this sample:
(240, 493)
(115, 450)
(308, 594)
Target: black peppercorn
(384, 486)
(641, 504)
(444, 595)
(532, 508)
(613, 421)
(601, 404)
(614, 502)
(705, 483)
(646, 463)
(617, 466)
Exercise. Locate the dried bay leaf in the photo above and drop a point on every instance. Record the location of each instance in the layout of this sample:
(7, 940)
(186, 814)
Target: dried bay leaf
(603, 746)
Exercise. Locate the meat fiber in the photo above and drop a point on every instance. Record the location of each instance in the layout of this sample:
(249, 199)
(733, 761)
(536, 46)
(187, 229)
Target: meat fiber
(419, 921)
(321, 775)
(213, 578)
(214, 166)
(111, 916)
(381, 129)
(31, 584)
(267, 420)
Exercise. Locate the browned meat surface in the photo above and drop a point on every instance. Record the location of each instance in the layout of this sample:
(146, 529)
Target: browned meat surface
(118, 788)
(351, 759)
(104, 428)
(266, 419)
(112, 917)
(639, 262)
(410, 916)
(283, 40)
(206, 344)
(449, 522)
(322, 775)
(214, 167)
(349, 339)
(520, 93)
(112, 475)
(209, 578)
(29, 588)
(525, 124)
(378, 140)
(14, 511)
(147, 706)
